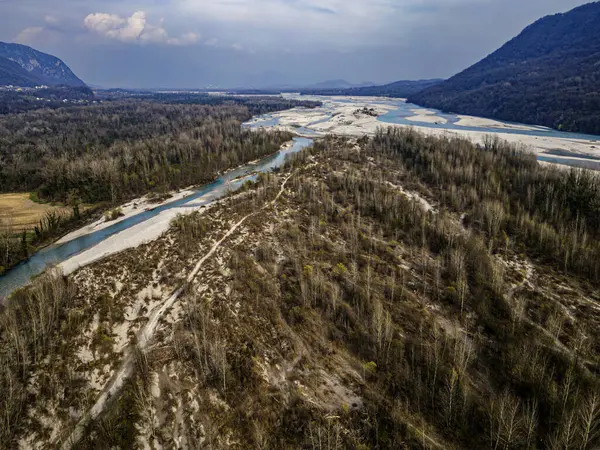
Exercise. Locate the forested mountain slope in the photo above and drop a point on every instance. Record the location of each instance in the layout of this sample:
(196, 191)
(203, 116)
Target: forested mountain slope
(12, 73)
(37, 68)
(548, 75)
(398, 89)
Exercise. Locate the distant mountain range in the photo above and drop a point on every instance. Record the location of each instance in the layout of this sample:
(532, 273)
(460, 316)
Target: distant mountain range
(398, 89)
(548, 75)
(276, 81)
(338, 84)
(24, 66)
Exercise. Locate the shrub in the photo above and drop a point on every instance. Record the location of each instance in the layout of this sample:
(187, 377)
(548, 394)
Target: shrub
(113, 214)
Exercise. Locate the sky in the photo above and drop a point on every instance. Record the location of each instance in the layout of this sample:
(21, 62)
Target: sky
(258, 43)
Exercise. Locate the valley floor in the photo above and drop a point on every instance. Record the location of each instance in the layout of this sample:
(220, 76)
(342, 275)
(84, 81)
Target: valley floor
(345, 116)
(343, 302)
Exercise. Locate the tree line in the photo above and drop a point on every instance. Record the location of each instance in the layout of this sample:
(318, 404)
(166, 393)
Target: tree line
(110, 152)
(116, 150)
(553, 213)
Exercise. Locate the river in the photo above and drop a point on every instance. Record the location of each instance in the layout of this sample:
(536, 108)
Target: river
(55, 254)
(335, 114)
(338, 115)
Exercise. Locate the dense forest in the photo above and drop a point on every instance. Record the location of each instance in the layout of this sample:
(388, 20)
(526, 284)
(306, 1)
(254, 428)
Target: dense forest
(398, 89)
(548, 75)
(107, 153)
(18, 101)
(257, 104)
(399, 292)
(116, 150)
(553, 213)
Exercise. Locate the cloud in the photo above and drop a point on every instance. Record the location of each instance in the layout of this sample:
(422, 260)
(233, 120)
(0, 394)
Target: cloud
(51, 32)
(36, 35)
(51, 20)
(115, 27)
(135, 28)
(185, 39)
(29, 35)
(305, 40)
(300, 24)
(344, 25)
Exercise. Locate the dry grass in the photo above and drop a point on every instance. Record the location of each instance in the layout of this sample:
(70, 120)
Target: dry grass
(19, 212)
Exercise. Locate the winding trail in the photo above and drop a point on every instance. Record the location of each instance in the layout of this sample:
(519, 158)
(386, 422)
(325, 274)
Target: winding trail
(146, 334)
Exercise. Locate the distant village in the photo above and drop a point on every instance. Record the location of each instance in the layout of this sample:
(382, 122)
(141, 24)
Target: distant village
(10, 87)
(43, 87)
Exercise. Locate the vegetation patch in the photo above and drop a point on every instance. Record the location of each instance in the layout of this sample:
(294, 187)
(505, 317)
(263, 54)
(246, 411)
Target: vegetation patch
(373, 294)
(21, 212)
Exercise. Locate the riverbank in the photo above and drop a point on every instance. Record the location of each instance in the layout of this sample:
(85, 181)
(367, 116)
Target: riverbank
(26, 243)
(143, 221)
(426, 116)
(341, 115)
(157, 225)
(147, 202)
(128, 210)
(149, 230)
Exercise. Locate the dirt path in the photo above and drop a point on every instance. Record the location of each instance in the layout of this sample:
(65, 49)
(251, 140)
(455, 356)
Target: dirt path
(147, 333)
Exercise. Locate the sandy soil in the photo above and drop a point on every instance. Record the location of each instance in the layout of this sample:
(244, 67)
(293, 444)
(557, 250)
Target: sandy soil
(470, 121)
(129, 209)
(131, 237)
(339, 115)
(426, 116)
(344, 121)
(146, 334)
(305, 117)
(425, 205)
(19, 212)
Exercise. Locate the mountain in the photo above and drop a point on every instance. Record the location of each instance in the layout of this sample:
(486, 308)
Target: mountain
(398, 89)
(548, 75)
(271, 81)
(35, 68)
(13, 73)
(332, 84)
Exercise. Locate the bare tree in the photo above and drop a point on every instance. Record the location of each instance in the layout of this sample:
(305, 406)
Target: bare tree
(505, 421)
(589, 416)
(530, 422)
(493, 213)
(452, 386)
(325, 437)
(458, 269)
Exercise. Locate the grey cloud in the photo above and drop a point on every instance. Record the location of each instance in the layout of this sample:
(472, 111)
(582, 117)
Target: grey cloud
(135, 28)
(249, 41)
